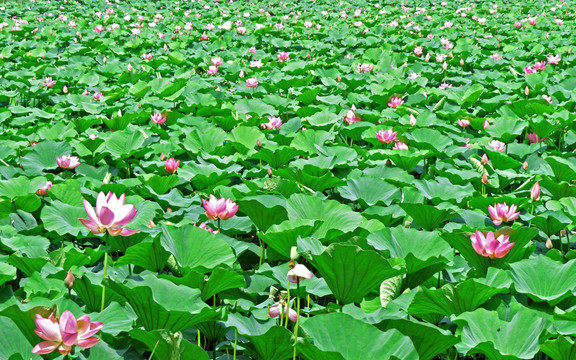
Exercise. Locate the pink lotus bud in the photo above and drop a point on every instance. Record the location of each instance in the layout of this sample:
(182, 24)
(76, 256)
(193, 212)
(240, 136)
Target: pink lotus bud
(484, 159)
(162, 156)
(549, 244)
(105, 59)
(69, 280)
(43, 191)
(526, 91)
(485, 124)
(171, 165)
(412, 120)
(65, 89)
(461, 62)
(269, 171)
(151, 224)
(484, 179)
(258, 143)
(535, 192)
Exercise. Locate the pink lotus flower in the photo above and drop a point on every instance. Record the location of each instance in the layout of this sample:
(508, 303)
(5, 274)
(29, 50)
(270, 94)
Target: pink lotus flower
(97, 96)
(111, 214)
(386, 136)
(532, 21)
(274, 122)
(533, 138)
(489, 246)
(252, 50)
(529, 70)
(98, 28)
(558, 21)
(299, 272)
(463, 122)
(43, 191)
(204, 36)
(502, 213)
(535, 192)
(276, 310)
(351, 117)
(398, 145)
(553, 59)
(49, 82)
(216, 61)
(497, 145)
(252, 82)
(158, 118)
(212, 70)
(64, 334)
(547, 98)
(517, 24)
(485, 124)
(418, 50)
(203, 226)
(364, 68)
(539, 65)
(496, 57)
(171, 165)
(444, 86)
(283, 56)
(395, 101)
(219, 208)
(67, 161)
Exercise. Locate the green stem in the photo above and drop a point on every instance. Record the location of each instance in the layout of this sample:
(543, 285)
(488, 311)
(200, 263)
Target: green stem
(105, 272)
(198, 331)
(287, 304)
(218, 225)
(154, 350)
(235, 342)
(261, 252)
(297, 318)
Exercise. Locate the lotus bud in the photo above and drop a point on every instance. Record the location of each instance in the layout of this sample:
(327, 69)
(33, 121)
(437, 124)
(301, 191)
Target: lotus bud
(119, 112)
(535, 192)
(569, 51)
(461, 62)
(549, 244)
(293, 253)
(412, 120)
(526, 91)
(162, 157)
(151, 224)
(525, 165)
(65, 89)
(105, 59)
(484, 159)
(139, 105)
(258, 143)
(169, 209)
(269, 171)
(69, 280)
(484, 178)
(444, 66)
(485, 124)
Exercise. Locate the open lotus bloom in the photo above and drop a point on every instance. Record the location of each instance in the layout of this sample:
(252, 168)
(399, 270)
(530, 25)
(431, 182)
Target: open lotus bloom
(111, 214)
(66, 333)
(219, 208)
(502, 213)
(489, 246)
(276, 310)
(298, 273)
(67, 161)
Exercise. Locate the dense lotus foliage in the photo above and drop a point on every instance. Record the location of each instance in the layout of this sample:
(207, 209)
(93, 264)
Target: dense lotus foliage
(287, 179)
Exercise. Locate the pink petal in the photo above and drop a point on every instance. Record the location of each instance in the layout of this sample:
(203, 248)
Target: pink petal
(292, 315)
(503, 249)
(90, 210)
(128, 232)
(88, 343)
(106, 216)
(45, 347)
(124, 215)
(68, 328)
(47, 329)
(91, 225)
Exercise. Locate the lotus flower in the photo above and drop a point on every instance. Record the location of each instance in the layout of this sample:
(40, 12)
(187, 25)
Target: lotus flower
(212, 70)
(275, 311)
(533, 138)
(216, 61)
(502, 213)
(395, 101)
(283, 56)
(274, 122)
(364, 68)
(463, 122)
(219, 208)
(553, 59)
(111, 214)
(539, 65)
(535, 192)
(497, 145)
(496, 56)
(399, 145)
(386, 136)
(43, 191)
(203, 226)
(418, 50)
(147, 56)
(489, 246)
(252, 82)
(351, 117)
(97, 96)
(158, 118)
(64, 334)
(68, 162)
(49, 82)
(171, 165)
(298, 273)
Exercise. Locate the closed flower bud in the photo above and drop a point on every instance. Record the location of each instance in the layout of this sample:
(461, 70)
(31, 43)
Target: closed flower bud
(525, 165)
(484, 179)
(269, 171)
(535, 192)
(484, 159)
(258, 143)
(549, 244)
(69, 280)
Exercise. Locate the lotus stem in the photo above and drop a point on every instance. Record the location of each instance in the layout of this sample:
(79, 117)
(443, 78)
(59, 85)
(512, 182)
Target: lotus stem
(288, 303)
(105, 272)
(261, 253)
(568, 238)
(218, 225)
(198, 332)
(297, 317)
(154, 350)
(235, 342)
